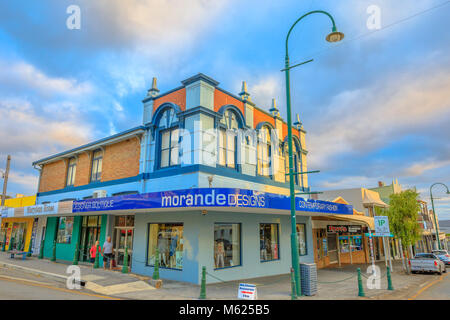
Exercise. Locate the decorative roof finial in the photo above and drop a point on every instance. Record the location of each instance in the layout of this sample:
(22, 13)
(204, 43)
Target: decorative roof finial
(298, 124)
(274, 110)
(244, 94)
(153, 92)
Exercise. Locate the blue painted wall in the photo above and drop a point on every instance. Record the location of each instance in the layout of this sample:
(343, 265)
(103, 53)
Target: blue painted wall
(199, 245)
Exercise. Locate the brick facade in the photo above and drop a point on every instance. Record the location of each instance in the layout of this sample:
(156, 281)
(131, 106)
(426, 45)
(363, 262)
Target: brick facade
(121, 160)
(53, 176)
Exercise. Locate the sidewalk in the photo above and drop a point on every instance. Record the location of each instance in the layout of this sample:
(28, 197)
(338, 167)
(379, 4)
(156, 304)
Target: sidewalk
(131, 286)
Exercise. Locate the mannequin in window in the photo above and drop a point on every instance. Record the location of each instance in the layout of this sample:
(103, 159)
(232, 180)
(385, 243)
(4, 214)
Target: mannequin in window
(163, 250)
(173, 247)
(220, 254)
(263, 248)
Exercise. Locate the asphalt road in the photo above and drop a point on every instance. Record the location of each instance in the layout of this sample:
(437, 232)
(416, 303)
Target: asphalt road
(437, 290)
(19, 286)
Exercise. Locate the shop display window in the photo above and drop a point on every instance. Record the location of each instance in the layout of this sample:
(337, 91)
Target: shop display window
(227, 245)
(168, 238)
(269, 242)
(65, 228)
(357, 243)
(301, 238)
(344, 244)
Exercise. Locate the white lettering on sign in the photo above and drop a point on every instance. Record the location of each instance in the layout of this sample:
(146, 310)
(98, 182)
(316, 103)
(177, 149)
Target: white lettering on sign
(213, 199)
(247, 291)
(41, 209)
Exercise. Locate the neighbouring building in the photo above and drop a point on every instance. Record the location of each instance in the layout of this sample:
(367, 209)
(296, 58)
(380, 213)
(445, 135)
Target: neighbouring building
(16, 230)
(366, 203)
(202, 180)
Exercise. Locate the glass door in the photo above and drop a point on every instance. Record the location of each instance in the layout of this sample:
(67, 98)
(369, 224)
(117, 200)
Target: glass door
(124, 238)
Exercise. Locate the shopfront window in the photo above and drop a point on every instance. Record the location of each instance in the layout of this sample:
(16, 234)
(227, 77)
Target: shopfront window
(168, 238)
(357, 243)
(269, 242)
(301, 238)
(344, 244)
(65, 228)
(227, 245)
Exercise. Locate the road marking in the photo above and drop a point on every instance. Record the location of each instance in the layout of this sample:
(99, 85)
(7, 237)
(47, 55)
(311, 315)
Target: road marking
(56, 288)
(428, 286)
(22, 279)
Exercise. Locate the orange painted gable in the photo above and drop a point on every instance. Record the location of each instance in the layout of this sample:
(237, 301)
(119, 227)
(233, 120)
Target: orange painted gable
(177, 97)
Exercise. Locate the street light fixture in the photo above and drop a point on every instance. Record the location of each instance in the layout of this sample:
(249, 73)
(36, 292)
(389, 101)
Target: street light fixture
(334, 36)
(434, 212)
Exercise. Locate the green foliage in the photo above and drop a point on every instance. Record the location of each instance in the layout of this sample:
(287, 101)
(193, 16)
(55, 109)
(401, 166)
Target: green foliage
(402, 212)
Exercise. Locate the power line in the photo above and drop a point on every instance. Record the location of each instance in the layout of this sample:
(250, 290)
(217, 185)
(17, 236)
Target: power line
(377, 30)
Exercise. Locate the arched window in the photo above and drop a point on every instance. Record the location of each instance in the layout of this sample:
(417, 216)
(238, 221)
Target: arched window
(264, 151)
(295, 161)
(227, 135)
(169, 139)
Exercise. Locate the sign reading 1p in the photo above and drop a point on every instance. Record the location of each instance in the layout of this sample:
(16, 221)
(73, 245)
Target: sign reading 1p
(382, 226)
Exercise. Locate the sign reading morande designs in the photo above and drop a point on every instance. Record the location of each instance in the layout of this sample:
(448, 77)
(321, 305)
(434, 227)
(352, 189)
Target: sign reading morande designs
(207, 197)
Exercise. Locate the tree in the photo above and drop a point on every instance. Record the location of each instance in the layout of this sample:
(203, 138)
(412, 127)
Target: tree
(402, 212)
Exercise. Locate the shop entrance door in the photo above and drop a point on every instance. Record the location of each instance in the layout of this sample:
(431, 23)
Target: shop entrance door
(332, 248)
(123, 238)
(90, 232)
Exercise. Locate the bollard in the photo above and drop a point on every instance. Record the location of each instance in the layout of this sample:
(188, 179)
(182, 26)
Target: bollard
(156, 267)
(125, 261)
(30, 246)
(360, 284)
(390, 287)
(203, 284)
(96, 262)
(293, 295)
(41, 250)
(76, 254)
(4, 243)
(54, 251)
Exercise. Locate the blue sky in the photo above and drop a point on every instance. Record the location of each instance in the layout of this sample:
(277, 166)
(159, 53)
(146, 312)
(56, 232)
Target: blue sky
(375, 106)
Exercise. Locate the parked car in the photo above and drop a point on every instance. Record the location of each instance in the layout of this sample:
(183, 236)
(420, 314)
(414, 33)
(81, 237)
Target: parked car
(427, 262)
(443, 256)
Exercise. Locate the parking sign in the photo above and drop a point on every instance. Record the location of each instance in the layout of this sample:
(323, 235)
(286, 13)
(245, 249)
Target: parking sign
(382, 226)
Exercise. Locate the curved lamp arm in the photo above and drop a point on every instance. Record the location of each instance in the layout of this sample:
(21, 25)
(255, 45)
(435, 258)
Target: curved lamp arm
(307, 14)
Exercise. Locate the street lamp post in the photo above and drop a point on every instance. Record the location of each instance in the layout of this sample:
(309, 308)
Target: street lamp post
(434, 212)
(334, 36)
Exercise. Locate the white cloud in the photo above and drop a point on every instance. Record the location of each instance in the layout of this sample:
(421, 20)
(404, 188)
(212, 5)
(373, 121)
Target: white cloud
(27, 182)
(364, 119)
(418, 168)
(21, 74)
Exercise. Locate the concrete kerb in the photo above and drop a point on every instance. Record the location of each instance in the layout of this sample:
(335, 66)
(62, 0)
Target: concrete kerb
(91, 285)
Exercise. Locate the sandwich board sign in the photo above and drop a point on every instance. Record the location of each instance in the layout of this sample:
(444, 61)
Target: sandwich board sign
(247, 291)
(381, 226)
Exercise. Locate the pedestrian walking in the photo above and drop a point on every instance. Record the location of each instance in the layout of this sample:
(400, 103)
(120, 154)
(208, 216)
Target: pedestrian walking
(107, 253)
(93, 251)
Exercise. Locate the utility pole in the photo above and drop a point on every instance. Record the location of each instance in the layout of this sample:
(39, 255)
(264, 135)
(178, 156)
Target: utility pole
(5, 180)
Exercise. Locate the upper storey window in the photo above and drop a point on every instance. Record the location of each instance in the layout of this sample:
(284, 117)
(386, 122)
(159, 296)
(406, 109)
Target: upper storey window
(295, 161)
(71, 171)
(264, 151)
(97, 161)
(228, 139)
(169, 139)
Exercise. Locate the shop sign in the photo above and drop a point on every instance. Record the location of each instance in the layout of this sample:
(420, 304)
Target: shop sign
(207, 197)
(247, 291)
(337, 229)
(41, 209)
(354, 229)
(8, 213)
